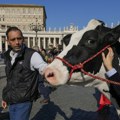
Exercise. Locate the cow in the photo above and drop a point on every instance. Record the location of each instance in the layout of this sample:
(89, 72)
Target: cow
(80, 46)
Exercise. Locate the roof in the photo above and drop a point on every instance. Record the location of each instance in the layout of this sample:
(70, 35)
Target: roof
(20, 5)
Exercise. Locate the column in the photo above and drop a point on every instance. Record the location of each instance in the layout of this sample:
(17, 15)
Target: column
(6, 45)
(54, 42)
(0, 43)
(60, 39)
(60, 42)
(28, 42)
(33, 41)
(39, 42)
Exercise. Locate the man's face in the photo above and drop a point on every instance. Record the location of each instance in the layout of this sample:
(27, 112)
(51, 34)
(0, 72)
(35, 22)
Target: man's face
(15, 40)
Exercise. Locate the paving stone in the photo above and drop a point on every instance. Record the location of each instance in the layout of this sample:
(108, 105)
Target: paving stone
(68, 102)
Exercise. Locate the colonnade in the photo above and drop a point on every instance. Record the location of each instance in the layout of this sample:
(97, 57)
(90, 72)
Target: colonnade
(43, 40)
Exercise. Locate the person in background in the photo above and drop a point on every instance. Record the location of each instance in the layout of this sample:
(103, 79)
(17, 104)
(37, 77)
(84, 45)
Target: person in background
(23, 66)
(44, 54)
(44, 90)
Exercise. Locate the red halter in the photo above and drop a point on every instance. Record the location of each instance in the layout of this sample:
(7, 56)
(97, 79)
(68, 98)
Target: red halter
(81, 65)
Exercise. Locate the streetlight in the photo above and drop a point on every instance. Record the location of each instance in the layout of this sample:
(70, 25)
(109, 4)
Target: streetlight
(36, 27)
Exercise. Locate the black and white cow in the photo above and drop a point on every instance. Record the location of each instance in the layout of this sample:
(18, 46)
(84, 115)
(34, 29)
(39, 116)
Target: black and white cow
(81, 45)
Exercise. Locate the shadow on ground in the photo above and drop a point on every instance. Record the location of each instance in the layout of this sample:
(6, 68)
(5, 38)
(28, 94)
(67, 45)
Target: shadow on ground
(50, 110)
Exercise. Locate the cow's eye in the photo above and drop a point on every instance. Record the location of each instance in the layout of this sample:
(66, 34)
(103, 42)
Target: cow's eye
(91, 41)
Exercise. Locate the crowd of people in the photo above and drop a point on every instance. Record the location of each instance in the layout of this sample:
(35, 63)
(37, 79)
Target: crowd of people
(50, 53)
(24, 68)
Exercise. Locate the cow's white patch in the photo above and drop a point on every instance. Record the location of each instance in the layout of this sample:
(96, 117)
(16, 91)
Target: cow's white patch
(61, 71)
(63, 74)
(76, 37)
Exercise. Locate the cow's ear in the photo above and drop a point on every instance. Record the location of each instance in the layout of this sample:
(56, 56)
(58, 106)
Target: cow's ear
(110, 38)
(117, 30)
(66, 39)
(102, 23)
(113, 35)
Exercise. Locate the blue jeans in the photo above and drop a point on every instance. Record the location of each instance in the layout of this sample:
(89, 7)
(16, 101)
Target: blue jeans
(20, 111)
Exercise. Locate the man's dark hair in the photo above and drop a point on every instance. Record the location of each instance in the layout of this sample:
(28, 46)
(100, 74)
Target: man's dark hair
(13, 29)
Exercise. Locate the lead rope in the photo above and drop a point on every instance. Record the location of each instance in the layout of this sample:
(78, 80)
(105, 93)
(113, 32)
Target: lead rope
(81, 65)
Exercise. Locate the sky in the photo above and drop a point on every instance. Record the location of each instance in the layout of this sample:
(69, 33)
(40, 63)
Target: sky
(62, 13)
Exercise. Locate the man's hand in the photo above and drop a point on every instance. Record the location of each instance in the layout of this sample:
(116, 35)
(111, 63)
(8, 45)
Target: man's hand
(108, 59)
(4, 104)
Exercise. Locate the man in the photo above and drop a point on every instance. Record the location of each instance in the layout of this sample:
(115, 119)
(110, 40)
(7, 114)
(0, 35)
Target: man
(23, 66)
(44, 90)
(112, 74)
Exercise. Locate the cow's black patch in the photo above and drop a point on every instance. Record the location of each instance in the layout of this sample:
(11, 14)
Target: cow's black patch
(91, 42)
(66, 39)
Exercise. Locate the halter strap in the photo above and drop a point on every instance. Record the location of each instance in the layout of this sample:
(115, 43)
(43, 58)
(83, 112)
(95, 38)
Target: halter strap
(81, 66)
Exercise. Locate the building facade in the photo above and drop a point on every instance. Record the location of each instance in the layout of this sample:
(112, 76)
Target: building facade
(31, 19)
(21, 16)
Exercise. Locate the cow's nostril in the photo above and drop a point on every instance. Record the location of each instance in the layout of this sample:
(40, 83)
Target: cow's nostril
(50, 75)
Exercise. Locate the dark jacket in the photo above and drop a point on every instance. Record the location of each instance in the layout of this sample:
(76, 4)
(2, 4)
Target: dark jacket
(22, 82)
(115, 89)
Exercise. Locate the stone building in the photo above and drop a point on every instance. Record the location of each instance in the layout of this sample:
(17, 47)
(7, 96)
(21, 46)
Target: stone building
(31, 19)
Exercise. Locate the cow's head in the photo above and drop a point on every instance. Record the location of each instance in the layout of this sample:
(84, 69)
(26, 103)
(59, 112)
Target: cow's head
(81, 46)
